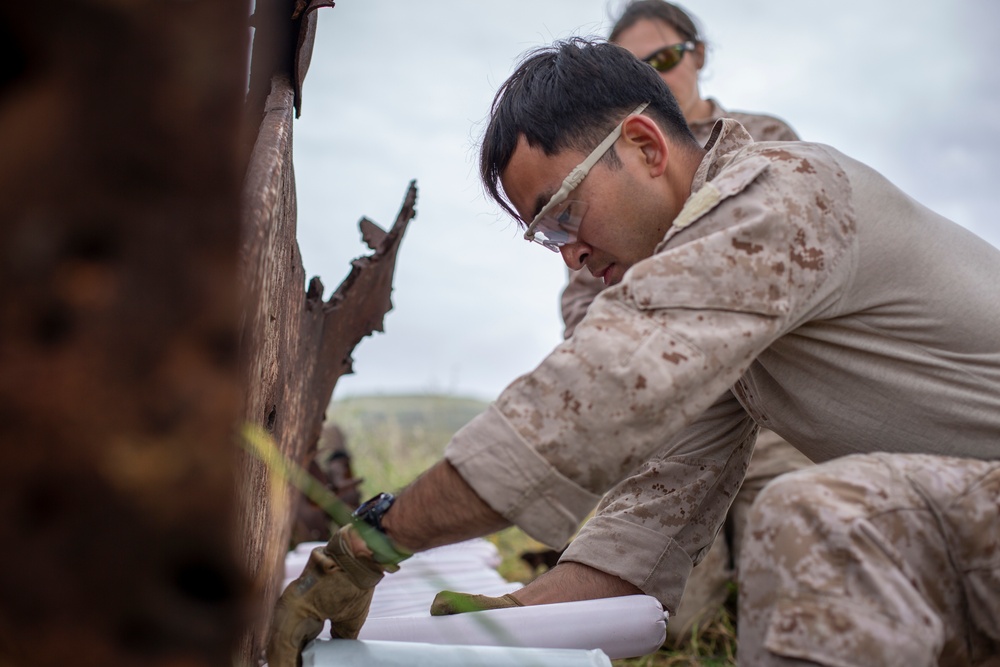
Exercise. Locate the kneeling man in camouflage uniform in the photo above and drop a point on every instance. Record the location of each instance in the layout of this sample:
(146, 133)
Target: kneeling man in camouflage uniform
(776, 284)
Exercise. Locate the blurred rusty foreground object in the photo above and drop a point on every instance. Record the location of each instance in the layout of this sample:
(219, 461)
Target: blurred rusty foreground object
(153, 302)
(120, 178)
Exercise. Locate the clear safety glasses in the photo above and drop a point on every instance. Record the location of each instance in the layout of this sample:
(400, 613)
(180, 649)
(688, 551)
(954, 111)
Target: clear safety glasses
(558, 222)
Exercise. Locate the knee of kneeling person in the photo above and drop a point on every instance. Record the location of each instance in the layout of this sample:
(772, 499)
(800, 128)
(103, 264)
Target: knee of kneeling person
(798, 515)
(793, 494)
(799, 598)
(831, 492)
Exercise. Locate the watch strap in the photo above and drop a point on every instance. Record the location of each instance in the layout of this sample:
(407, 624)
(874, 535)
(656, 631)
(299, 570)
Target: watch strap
(367, 520)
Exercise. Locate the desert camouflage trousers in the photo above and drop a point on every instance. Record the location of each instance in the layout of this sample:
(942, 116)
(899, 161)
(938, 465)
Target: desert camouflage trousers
(708, 585)
(878, 559)
(636, 522)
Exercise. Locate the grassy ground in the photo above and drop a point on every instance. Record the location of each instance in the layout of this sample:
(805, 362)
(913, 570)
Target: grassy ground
(393, 439)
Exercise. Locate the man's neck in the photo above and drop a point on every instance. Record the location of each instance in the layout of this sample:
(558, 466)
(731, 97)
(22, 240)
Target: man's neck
(681, 173)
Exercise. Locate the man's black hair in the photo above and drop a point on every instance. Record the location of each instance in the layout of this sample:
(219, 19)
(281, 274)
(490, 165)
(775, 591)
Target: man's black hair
(570, 95)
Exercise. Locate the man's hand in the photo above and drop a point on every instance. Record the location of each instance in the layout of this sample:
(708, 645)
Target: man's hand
(447, 603)
(336, 584)
(566, 582)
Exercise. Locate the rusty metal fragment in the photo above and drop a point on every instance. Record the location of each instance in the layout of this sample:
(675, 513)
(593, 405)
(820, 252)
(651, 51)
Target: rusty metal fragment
(359, 305)
(153, 300)
(120, 171)
(305, 14)
(294, 346)
(284, 35)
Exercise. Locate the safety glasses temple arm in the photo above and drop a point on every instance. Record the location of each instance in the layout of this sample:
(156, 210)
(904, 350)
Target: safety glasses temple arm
(580, 172)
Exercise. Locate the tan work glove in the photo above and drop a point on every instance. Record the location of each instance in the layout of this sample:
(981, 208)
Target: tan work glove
(447, 603)
(337, 584)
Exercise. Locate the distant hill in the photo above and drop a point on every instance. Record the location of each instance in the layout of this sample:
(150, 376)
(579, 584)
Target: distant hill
(425, 412)
(394, 438)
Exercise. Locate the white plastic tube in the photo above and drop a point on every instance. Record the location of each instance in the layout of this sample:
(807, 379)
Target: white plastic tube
(622, 627)
(400, 611)
(353, 653)
(468, 567)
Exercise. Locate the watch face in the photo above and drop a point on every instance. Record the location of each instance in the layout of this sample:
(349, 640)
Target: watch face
(367, 505)
(372, 510)
(371, 503)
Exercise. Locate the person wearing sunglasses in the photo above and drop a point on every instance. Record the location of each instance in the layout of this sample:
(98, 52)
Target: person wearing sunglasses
(668, 39)
(782, 284)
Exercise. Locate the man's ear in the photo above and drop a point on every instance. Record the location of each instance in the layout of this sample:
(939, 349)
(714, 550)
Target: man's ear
(643, 133)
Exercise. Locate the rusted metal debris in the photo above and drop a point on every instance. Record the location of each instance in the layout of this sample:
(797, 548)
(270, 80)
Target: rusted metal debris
(294, 346)
(284, 34)
(120, 173)
(153, 300)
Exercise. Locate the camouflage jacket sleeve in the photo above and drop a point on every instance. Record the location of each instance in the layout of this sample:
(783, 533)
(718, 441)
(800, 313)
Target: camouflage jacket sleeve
(657, 531)
(758, 248)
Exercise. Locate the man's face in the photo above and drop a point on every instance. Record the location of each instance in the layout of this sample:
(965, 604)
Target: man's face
(624, 220)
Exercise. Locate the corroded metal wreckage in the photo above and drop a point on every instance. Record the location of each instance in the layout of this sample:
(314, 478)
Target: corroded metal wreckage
(152, 304)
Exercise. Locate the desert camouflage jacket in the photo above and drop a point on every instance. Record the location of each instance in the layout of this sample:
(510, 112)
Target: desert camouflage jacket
(762, 127)
(797, 289)
(583, 287)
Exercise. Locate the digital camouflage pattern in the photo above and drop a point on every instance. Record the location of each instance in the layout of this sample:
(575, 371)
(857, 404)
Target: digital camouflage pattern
(761, 127)
(890, 560)
(635, 500)
(798, 290)
(630, 514)
(583, 287)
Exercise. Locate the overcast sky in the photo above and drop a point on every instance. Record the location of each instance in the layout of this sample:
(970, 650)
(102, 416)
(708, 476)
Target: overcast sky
(399, 90)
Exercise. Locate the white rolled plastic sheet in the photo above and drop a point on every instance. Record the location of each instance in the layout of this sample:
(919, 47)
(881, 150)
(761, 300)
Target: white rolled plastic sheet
(621, 627)
(355, 653)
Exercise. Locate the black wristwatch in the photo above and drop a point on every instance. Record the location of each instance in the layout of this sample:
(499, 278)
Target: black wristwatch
(371, 511)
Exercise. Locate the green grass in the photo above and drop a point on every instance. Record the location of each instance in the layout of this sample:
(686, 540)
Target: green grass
(392, 439)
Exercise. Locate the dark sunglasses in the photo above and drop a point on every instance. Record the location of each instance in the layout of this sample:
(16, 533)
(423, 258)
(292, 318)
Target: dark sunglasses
(668, 57)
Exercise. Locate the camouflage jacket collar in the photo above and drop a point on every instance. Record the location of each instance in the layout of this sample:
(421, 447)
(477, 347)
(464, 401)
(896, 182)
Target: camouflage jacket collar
(728, 136)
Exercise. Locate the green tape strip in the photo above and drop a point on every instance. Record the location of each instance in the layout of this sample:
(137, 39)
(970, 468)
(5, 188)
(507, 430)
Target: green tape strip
(259, 443)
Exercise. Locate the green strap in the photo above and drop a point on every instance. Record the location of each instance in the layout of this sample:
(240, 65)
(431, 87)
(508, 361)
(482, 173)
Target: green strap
(259, 443)
(386, 553)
